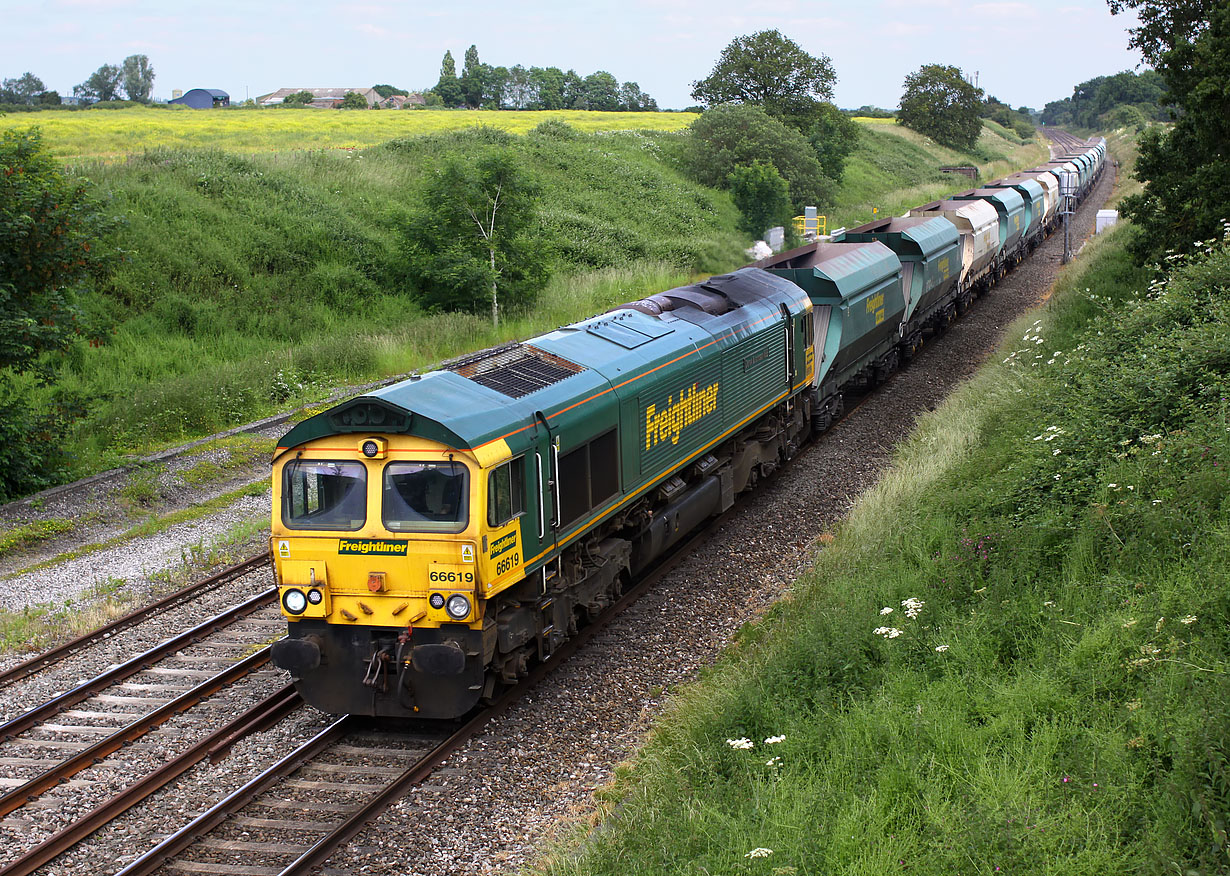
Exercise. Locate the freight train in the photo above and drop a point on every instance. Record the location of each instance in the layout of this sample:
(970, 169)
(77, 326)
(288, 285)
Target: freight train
(435, 538)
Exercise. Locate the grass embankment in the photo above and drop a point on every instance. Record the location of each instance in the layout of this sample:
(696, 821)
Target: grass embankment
(114, 134)
(1013, 656)
(250, 283)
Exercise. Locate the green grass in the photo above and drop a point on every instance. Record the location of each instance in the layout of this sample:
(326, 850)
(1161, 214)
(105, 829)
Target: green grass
(237, 452)
(28, 535)
(1061, 701)
(153, 525)
(896, 168)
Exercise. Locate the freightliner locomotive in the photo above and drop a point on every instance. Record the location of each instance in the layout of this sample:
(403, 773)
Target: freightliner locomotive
(435, 538)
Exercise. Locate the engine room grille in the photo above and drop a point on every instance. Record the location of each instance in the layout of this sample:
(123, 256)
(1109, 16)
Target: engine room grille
(515, 370)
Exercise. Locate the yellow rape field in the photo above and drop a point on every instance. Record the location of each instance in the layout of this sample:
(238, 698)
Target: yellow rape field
(111, 134)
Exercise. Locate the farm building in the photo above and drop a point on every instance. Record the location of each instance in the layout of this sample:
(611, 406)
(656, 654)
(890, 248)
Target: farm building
(403, 101)
(324, 98)
(204, 98)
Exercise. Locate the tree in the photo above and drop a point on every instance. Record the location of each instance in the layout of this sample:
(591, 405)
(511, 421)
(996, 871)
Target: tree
(770, 70)
(762, 196)
(24, 89)
(387, 91)
(448, 88)
(633, 100)
(600, 92)
(473, 79)
(298, 98)
(1164, 24)
(103, 84)
(939, 103)
(519, 90)
(833, 136)
(472, 244)
(49, 226)
(548, 85)
(1186, 197)
(353, 100)
(726, 137)
(138, 78)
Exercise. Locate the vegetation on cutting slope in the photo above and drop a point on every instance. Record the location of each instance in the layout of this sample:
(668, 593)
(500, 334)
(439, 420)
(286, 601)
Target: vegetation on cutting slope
(245, 284)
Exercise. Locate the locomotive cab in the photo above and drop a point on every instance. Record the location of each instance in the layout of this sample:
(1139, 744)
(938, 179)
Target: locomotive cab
(386, 547)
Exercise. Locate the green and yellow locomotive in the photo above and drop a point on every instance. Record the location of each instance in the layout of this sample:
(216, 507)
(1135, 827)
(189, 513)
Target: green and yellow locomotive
(434, 538)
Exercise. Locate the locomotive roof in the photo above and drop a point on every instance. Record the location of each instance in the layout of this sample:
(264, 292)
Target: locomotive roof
(496, 393)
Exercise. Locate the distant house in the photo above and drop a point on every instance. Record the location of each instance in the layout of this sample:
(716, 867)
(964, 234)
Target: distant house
(324, 98)
(204, 98)
(402, 101)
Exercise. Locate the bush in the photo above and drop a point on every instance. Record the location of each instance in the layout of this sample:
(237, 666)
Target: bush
(726, 137)
(30, 437)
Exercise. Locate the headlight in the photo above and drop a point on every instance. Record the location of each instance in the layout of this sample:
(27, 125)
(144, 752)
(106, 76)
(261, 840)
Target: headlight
(457, 606)
(315, 596)
(436, 600)
(294, 601)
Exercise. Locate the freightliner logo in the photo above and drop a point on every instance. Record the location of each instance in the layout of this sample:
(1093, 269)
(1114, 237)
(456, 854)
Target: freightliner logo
(379, 547)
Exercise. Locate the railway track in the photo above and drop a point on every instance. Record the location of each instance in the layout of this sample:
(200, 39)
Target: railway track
(54, 655)
(63, 753)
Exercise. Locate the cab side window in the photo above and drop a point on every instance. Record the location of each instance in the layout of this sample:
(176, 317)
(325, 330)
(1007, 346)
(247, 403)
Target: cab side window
(506, 492)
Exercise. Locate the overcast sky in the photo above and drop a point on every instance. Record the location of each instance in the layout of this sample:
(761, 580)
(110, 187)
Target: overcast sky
(1023, 53)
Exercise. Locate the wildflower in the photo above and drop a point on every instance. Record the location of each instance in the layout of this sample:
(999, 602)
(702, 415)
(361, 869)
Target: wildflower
(1113, 486)
(759, 853)
(773, 740)
(1056, 477)
(1158, 626)
(913, 606)
(1049, 602)
(1133, 705)
(740, 744)
(773, 761)
(1056, 452)
(1129, 623)
(941, 648)
(887, 632)
(1067, 779)
(1157, 502)
(1190, 619)
(888, 609)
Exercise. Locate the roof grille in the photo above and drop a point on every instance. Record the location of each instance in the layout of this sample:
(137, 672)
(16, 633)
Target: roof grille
(515, 370)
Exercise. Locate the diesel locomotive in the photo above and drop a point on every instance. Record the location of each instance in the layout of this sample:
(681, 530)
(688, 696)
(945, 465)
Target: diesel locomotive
(433, 539)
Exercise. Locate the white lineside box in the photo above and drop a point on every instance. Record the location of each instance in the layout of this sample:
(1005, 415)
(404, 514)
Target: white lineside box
(1105, 219)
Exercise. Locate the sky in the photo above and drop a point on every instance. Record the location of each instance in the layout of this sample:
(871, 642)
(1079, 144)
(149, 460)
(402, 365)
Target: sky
(1024, 53)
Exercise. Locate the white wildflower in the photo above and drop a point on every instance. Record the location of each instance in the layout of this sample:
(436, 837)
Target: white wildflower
(888, 609)
(1190, 619)
(887, 632)
(773, 740)
(773, 761)
(741, 744)
(913, 606)
(941, 648)
(759, 853)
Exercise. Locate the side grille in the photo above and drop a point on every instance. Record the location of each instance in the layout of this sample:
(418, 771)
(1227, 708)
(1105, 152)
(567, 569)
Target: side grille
(515, 370)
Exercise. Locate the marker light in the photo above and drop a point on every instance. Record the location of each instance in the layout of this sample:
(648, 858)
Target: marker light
(315, 596)
(294, 601)
(436, 600)
(370, 449)
(458, 606)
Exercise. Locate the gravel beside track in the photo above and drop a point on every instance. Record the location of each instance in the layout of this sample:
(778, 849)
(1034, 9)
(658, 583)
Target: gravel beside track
(503, 795)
